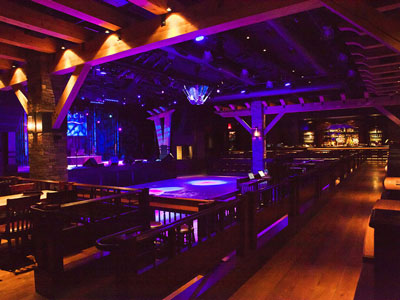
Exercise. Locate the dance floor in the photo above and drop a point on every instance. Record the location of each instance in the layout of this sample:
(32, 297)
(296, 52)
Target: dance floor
(194, 187)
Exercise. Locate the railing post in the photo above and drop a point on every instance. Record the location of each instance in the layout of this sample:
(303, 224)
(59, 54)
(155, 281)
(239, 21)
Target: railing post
(252, 212)
(144, 207)
(243, 217)
(172, 240)
(48, 249)
(293, 198)
(203, 222)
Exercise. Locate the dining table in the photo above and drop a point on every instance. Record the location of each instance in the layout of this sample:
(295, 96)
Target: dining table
(3, 199)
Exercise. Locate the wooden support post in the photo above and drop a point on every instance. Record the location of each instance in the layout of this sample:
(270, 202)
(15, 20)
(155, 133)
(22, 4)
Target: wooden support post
(48, 245)
(71, 90)
(273, 123)
(388, 114)
(21, 97)
(258, 147)
(244, 124)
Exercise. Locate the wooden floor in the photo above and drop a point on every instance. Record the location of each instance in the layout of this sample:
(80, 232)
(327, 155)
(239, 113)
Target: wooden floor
(323, 260)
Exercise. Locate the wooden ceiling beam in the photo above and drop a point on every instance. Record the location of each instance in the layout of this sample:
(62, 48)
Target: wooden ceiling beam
(200, 19)
(318, 106)
(17, 37)
(90, 11)
(157, 7)
(368, 19)
(12, 53)
(27, 18)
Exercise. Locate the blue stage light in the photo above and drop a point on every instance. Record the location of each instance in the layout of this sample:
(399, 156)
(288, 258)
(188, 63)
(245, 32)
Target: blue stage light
(199, 38)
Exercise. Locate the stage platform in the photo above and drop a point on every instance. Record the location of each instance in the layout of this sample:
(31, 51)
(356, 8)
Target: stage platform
(194, 187)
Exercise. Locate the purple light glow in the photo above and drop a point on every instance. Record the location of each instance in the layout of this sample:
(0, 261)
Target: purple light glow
(325, 187)
(119, 129)
(98, 122)
(207, 182)
(162, 190)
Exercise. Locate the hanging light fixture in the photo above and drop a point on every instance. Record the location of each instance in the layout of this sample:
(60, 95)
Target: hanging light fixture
(197, 94)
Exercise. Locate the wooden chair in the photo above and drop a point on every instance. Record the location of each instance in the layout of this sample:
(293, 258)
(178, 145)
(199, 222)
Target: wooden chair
(18, 225)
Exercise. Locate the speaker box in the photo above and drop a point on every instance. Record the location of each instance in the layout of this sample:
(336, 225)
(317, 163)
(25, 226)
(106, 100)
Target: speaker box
(91, 162)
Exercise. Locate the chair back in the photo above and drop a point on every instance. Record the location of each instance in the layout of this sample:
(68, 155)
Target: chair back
(19, 221)
(61, 197)
(22, 187)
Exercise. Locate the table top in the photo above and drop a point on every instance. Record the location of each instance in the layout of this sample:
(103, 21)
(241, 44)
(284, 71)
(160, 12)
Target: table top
(385, 204)
(3, 199)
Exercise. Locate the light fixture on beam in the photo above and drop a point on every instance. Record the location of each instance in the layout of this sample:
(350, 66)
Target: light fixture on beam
(256, 133)
(39, 122)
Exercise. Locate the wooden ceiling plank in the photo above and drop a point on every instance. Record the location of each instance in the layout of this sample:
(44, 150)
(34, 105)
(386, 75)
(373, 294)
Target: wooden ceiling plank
(12, 53)
(27, 18)
(201, 19)
(157, 7)
(90, 11)
(5, 64)
(367, 18)
(70, 92)
(17, 37)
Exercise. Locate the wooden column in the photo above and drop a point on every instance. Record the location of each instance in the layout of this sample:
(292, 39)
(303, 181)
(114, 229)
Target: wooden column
(258, 139)
(47, 149)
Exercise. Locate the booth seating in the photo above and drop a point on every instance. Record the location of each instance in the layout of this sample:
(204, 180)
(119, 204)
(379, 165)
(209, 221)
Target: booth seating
(385, 219)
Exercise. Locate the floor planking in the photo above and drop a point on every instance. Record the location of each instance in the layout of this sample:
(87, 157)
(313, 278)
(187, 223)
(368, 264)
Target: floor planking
(324, 260)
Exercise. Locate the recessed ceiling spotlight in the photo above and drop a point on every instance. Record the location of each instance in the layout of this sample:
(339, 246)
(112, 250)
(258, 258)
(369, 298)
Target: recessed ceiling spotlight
(302, 76)
(162, 92)
(107, 31)
(247, 37)
(293, 70)
(14, 66)
(175, 102)
(139, 96)
(218, 91)
(264, 50)
(287, 84)
(309, 81)
(243, 91)
(169, 9)
(63, 47)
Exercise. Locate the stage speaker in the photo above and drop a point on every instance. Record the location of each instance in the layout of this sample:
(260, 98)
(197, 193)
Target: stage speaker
(91, 162)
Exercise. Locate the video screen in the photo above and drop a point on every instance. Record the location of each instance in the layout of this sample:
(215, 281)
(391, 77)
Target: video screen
(77, 124)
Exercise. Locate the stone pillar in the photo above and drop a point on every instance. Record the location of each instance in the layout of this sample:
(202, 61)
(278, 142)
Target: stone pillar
(258, 140)
(47, 149)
